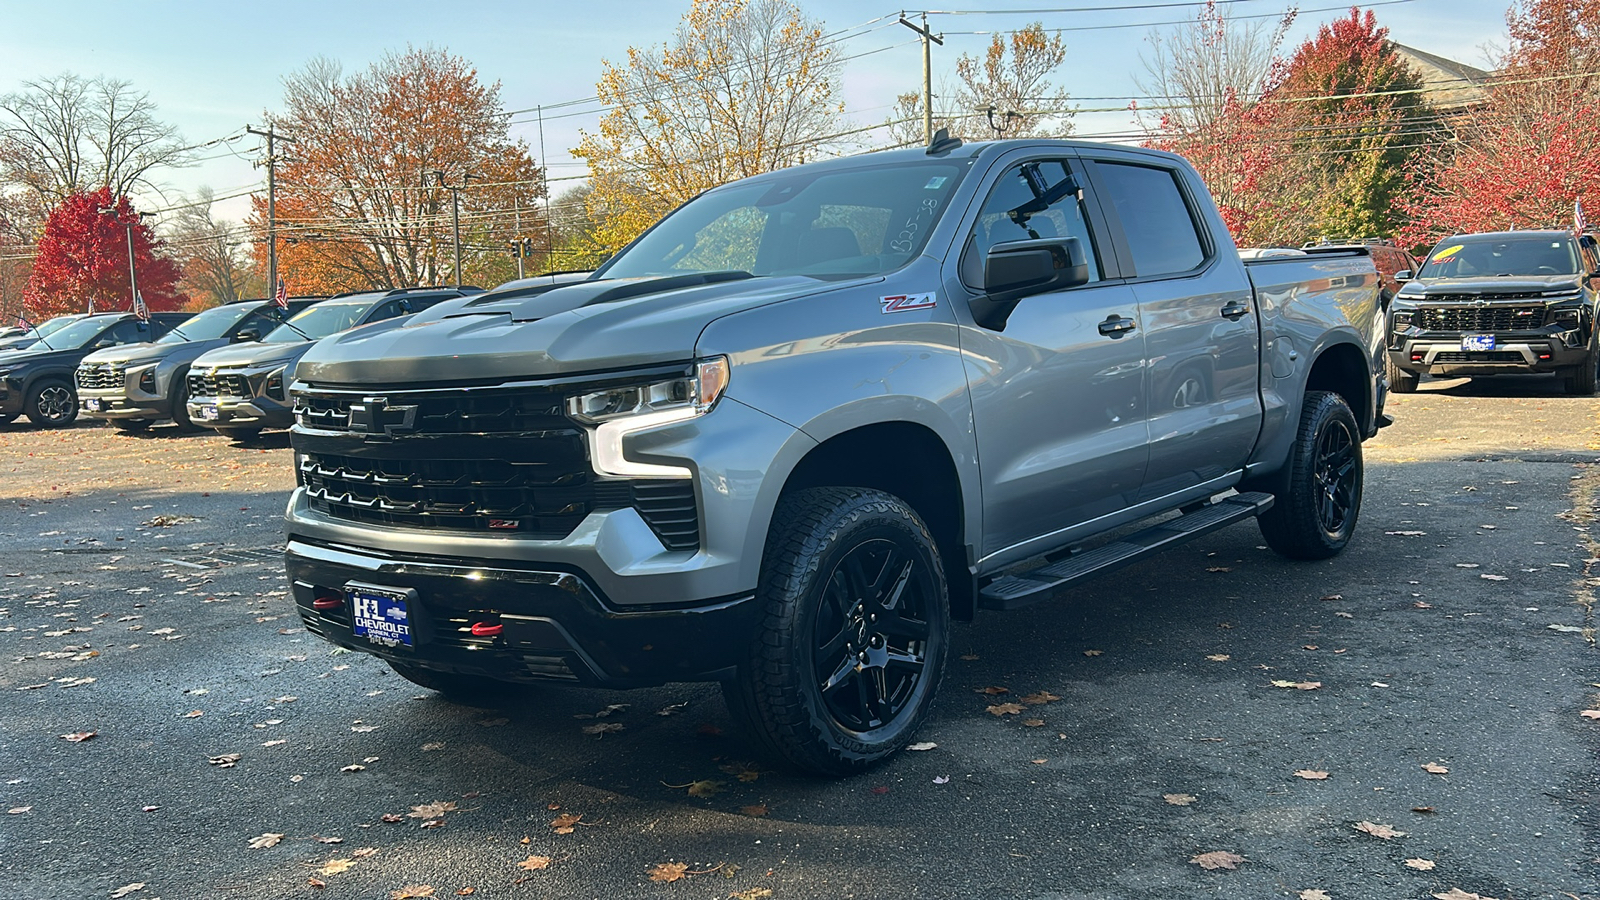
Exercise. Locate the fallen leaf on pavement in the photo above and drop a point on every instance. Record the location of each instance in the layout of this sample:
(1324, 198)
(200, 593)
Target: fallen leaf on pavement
(1005, 709)
(1039, 698)
(1312, 774)
(1297, 685)
(412, 892)
(78, 737)
(335, 866)
(1590, 714)
(1093, 652)
(1218, 859)
(1379, 831)
(127, 889)
(705, 788)
(328, 840)
(668, 872)
(434, 745)
(1314, 895)
(758, 810)
(1422, 865)
(1494, 578)
(534, 863)
(603, 728)
(941, 779)
(353, 767)
(755, 893)
(432, 810)
(744, 771)
(192, 714)
(993, 690)
(922, 745)
(269, 839)
(1426, 810)
(1218, 657)
(1033, 723)
(1435, 768)
(1179, 799)
(225, 761)
(564, 823)
(1459, 894)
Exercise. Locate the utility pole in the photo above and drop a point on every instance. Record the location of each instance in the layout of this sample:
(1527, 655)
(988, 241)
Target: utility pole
(133, 276)
(516, 205)
(928, 40)
(272, 202)
(455, 213)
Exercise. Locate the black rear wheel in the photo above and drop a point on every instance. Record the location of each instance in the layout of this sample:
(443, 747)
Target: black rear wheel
(848, 656)
(52, 404)
(1314, 517)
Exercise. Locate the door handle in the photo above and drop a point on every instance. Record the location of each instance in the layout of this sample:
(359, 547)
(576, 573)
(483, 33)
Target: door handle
(1235, 309)
(1116, 326)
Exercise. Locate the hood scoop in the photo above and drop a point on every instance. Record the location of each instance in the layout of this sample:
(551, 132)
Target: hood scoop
(590, 293)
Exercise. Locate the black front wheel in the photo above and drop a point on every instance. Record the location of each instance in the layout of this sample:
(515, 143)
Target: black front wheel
(180, 403)
(52, 404)
(1581, 380)
(1314, 517)
(854, 631)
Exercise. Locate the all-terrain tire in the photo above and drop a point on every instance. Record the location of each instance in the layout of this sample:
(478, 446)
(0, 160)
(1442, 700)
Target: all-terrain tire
(1400, 380)
(1581, 381)
(1314, 517)
(471, 690)
(52, 403)
(855, 623)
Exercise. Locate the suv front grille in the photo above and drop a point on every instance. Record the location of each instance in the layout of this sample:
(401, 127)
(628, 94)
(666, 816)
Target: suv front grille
(218, 384)
(1479, 318)
(481, 460)
(100, 377)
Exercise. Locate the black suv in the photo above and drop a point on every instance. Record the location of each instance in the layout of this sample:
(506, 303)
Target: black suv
(38, 381)
(1499, 303)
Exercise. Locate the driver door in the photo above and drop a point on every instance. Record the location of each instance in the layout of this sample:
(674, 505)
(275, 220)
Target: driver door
(1058, 392)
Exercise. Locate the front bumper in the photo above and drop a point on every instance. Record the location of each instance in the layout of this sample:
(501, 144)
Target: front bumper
(114, 404)
(240, 412)
(1442, 355)
(11, 397)
(547, 623)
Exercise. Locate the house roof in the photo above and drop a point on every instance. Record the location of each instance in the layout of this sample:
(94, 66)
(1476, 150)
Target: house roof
(1447, 84)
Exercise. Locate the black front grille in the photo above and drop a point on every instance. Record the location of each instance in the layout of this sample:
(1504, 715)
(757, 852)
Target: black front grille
(1480, 356)
(218, 384)
(1479, 318)
(489, 461)
(100, 377)
(1488, 298)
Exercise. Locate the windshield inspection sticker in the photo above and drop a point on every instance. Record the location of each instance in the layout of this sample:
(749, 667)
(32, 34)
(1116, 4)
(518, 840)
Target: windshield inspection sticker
(907, 302)
(935, 182)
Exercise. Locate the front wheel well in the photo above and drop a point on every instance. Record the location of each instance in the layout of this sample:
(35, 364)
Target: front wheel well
(911, 462)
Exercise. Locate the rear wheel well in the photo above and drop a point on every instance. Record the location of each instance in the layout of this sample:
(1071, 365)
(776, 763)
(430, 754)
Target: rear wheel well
(912, 463)
(1340, 369)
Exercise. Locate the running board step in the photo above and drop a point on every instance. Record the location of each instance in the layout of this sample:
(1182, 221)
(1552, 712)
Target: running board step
(1012, 591)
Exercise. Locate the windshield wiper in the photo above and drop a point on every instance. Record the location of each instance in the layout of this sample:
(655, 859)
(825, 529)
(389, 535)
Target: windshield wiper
(296, 329)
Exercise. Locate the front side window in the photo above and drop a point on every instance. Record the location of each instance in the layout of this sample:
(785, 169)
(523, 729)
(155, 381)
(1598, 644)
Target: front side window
(1157, 221)
(1032, 201)
(832, 223)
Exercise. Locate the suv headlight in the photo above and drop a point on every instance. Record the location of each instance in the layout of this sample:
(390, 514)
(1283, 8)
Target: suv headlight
(1402, 319)
(1566, 317)
(618, 412)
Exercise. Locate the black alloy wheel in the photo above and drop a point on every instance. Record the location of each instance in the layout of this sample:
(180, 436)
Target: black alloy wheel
(53, 404)
(180, 403)
(1315, 512)
(851, 648)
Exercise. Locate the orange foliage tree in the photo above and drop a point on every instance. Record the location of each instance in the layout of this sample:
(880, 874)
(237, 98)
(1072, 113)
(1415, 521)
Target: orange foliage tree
(360, 202)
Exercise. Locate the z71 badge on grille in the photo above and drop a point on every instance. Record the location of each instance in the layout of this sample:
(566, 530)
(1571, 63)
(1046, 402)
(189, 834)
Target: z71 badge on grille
(907, 302)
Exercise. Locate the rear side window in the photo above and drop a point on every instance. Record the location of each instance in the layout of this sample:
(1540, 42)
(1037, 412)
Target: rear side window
(127, 331)
(1156, 219)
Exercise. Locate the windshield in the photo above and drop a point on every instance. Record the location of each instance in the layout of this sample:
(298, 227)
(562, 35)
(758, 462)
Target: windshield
(317, 322)
(1480, 257)
(55, 325)
(209, 325)
(72, 336)
(826, 224)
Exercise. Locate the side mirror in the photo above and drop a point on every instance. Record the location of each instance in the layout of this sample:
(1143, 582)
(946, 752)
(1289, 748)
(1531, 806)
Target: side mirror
(104, 343)
(246, 334)
(405, 305)
(1403, 276)
(1017, 269)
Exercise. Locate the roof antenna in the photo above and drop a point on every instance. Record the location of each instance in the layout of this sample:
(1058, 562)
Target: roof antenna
(942, 143)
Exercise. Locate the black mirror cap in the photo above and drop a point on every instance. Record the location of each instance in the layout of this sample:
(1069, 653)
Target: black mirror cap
(245, 335)
(1403, 275)
(1017, 269)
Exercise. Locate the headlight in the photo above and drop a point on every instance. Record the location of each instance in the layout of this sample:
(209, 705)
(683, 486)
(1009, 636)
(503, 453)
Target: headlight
(1567, 318)
(274, 385)
(1402, 320)
(618, 412)
(147, 380)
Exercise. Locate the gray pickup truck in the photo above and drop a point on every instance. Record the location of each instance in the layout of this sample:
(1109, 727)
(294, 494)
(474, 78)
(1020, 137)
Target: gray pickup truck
(790, 433)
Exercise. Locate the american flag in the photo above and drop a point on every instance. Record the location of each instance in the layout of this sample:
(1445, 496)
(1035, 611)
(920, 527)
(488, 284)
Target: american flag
(282, 296)
(1578, 222)
(91, 306)
(141, 309)
(22, 320)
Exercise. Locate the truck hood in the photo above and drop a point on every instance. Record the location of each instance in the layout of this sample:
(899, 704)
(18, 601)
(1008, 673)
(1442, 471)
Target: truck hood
(1494, 284)
(243, 356)
(585, 327)
(42, 357)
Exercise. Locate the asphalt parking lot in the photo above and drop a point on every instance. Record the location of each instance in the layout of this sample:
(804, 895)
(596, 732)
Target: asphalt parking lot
(1400, 722)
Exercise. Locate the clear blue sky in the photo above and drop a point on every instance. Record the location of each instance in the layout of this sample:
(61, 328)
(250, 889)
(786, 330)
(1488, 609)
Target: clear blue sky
(212, 67)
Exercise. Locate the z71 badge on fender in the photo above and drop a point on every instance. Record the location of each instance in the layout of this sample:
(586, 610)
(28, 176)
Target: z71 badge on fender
(907, 302)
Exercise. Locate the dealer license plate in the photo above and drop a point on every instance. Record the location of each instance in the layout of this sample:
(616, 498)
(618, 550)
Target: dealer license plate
(209, 413)
(92, 404)
(380, 615)
(1478, 342)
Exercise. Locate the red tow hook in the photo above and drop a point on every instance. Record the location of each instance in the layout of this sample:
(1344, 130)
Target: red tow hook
(484, 629)
(325, 601)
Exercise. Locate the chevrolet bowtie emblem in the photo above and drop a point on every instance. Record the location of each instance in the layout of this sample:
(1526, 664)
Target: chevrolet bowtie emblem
(375, 417)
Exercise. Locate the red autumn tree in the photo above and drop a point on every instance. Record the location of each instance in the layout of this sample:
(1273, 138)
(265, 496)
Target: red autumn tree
(83, 257)
(1523, 157)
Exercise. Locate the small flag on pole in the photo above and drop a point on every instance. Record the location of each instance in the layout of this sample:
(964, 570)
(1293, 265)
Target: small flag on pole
(22, 320)
(141, 309)
(282, 296)
(1578, 223)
